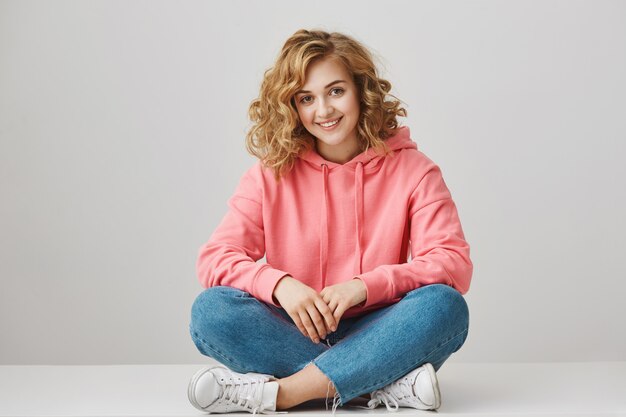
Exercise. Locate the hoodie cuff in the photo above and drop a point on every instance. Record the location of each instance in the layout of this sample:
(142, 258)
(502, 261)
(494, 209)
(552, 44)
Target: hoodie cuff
(379, 287)
(266, 282)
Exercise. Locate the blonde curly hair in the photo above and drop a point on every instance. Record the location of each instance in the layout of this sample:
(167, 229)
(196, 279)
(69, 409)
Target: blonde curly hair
(277, 136)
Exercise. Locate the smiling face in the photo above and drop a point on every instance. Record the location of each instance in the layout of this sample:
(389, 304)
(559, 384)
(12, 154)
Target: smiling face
(328, 107)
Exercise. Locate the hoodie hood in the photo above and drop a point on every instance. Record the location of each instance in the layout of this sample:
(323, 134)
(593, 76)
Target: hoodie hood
(365, 161)
(400, 140)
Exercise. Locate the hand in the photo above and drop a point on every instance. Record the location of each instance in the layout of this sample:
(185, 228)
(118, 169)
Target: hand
(341, 297)
(306, 308)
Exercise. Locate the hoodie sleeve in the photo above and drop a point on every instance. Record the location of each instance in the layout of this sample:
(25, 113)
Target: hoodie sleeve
(439, 252)
(229, 256)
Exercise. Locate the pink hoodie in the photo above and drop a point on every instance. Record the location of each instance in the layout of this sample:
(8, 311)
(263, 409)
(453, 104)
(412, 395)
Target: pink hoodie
(324, 223)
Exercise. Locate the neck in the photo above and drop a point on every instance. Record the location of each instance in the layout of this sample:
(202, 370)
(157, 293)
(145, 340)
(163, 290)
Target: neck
(339, 154)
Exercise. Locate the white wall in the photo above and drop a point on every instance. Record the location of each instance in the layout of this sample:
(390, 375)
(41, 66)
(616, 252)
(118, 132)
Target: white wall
(122, 136)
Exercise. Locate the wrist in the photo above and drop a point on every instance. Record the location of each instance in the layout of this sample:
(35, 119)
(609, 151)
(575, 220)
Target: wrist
(363, 290)
(360, 281)
(277, 287)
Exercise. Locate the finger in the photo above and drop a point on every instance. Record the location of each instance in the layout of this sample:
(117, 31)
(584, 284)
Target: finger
(331, 301)
(338, 313)
(327, 313)
(298, 322)
(318, 321)
(308, 324)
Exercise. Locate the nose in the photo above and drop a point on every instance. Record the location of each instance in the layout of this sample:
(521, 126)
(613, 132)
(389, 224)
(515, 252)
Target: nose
(324, 110)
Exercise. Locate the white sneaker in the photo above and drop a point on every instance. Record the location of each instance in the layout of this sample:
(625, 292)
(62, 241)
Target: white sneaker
(217, 389)
(417, 389)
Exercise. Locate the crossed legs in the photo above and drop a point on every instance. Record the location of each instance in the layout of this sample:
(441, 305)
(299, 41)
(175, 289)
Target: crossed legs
(246, 335)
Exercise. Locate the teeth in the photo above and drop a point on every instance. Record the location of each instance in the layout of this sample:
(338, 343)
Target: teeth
(329, 124)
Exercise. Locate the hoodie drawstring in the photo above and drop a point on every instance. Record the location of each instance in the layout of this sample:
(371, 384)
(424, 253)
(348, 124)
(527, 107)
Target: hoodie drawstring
(358, 214)
(324, 227)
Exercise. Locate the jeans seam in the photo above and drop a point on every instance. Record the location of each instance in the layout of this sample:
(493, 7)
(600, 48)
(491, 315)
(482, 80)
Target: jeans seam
(223, 358)
(414, 366)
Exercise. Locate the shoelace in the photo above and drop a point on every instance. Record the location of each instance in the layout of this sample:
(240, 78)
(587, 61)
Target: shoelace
(387, 395)
(380, 396)
(244, 394)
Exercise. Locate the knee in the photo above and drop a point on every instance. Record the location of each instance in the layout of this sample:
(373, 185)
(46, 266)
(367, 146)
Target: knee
(447, 301)
(210, 306)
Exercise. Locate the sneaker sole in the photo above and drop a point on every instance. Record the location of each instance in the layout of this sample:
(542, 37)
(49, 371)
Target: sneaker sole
(435, 383)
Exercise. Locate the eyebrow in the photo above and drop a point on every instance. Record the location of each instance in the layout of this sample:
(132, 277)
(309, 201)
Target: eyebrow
(326, 86)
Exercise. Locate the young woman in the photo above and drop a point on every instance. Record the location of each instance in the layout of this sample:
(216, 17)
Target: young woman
(339, 198)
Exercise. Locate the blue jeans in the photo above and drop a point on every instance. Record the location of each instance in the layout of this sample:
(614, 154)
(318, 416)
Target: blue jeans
(364, 353)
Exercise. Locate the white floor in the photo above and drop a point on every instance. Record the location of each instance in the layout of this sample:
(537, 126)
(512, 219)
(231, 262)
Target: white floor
(595, 389)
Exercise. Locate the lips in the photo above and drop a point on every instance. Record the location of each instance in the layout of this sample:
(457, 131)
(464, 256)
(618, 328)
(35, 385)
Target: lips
(330, 121)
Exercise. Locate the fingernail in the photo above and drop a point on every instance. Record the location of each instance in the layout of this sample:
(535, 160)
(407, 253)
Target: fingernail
(317, 340)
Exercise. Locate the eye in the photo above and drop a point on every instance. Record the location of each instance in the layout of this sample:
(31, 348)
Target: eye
(309, 99)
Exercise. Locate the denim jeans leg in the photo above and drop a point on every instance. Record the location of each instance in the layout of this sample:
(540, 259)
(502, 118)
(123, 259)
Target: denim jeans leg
(427, 325)
(248, 335)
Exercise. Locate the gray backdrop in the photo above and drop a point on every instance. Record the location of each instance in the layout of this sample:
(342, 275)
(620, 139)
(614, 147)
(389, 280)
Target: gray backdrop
(122, 136)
